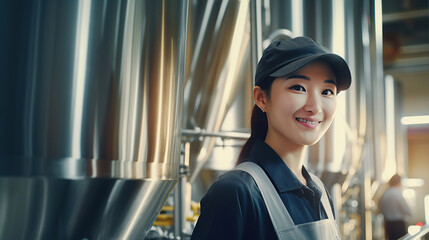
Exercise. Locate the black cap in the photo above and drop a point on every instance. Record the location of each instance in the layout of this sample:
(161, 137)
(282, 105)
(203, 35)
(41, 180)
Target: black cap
(283, 57)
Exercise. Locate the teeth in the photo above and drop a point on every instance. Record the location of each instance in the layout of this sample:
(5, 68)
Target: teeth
(303, 120)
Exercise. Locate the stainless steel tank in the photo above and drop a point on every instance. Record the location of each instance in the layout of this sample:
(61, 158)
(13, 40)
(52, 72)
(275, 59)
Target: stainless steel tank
(219, 45)
(91, 96)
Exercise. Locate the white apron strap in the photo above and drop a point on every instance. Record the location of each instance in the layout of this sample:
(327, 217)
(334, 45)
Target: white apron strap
(282, 222)
(279, 215)
(325, 201)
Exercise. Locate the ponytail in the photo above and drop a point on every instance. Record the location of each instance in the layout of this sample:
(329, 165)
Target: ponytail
(258, 123)
(258, 130)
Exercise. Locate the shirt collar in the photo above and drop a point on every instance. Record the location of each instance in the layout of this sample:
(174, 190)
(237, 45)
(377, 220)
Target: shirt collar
(276, 169)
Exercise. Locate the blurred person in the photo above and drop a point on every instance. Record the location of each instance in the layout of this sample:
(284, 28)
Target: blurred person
(394, 209)
(270, 194)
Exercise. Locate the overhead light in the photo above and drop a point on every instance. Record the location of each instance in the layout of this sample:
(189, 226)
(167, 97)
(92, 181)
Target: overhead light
(412, 120)
(413, 182)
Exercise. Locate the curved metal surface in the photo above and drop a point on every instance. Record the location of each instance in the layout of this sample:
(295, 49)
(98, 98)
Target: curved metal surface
(93, 89)
(217, 54)
(91, 96)
(46, 208)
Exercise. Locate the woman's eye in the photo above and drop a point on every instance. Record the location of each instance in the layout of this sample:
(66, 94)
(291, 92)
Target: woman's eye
(297, 88)
(328, 92)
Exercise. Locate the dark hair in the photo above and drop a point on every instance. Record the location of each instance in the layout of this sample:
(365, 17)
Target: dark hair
(258, 124)
(395, 180)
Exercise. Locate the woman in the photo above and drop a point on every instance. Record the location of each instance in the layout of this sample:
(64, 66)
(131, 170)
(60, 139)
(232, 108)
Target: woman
(270, 194)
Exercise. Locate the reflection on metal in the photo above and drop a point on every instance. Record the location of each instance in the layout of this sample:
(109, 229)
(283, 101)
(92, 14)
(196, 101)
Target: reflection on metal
(391, 17)
(90, 98)
(297, 12)
(391, 162)
(217, 61)
(54, 208)
(278, 34)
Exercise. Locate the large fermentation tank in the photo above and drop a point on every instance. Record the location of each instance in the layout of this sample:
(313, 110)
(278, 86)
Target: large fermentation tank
(218, 63)
(91, 95)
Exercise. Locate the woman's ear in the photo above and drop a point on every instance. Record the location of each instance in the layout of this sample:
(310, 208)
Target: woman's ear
(260, 98)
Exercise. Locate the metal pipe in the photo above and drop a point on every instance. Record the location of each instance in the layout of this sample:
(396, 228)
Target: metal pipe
(180, 195)
(202, 133)
(255, 33)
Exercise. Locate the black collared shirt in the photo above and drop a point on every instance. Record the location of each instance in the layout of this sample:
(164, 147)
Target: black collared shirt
(233, 207)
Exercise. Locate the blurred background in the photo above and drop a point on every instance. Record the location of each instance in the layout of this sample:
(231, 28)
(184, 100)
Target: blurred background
(117, 116)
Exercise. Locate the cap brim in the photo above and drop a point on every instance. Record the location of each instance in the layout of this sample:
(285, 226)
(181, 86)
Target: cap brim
(337, 63)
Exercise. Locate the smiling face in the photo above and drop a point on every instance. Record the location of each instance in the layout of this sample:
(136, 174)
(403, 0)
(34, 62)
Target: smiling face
(301, 106)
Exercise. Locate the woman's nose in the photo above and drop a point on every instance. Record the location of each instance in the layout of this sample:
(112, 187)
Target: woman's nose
(313, 104)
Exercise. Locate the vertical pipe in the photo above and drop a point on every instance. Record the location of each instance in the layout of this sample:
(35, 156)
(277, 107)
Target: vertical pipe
(378, 85)
(255, 33)
(369, 157)
(297, 17)
(373, 83)
(389, 165)
(181, 202)
(401, 130)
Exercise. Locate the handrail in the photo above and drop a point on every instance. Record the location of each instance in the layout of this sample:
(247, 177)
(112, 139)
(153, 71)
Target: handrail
(203, 133)
(423, 231)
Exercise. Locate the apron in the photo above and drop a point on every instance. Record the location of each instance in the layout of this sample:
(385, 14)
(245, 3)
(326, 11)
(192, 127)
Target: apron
(283, 224)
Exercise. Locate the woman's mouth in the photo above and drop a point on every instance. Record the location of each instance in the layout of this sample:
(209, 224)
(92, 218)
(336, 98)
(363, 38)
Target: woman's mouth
(308, 123)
